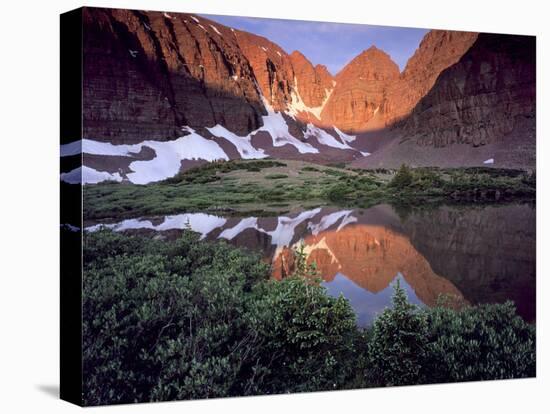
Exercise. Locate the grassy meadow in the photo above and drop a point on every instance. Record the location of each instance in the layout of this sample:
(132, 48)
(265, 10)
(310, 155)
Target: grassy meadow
(274, 187)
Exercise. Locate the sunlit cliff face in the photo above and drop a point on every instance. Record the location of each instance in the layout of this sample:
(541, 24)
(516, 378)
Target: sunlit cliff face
(370, 256)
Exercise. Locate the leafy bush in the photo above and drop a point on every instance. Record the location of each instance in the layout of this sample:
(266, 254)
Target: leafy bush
(479, 343)
(164, 321)
(309, 168)
(335, 173)
(410, 345)
(308, 337)
(337, 193)
(208, 172)
(187, 319)
(426, 179)
(397, 346)
(191, 319)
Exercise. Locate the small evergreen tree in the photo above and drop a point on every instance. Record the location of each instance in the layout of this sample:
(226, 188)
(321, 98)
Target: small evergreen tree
(301, 266)
(403, 178)
(398, 343)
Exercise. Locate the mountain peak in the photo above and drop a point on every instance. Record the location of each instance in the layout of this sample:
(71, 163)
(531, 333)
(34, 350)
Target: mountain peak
(296, 54)
(313, 82)
(371, 64)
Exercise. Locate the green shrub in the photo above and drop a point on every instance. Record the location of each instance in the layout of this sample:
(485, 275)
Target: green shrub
(335, 173)
(337, 193)
(403, 178)
(184, 319)
(426, 179)
(165, 321)
(207, 172)
(410, 345)
(397, 345)
(308, 337)
(191, 319)
(275, 176)
(479, 343)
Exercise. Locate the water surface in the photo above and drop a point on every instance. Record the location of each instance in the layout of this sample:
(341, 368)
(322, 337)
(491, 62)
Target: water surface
(472, 254)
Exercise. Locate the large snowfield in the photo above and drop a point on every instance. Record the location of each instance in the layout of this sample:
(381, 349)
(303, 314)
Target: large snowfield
(169, 155)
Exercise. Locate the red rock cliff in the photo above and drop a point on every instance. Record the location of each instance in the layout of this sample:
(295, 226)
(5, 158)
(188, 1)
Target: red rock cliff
(482, 98)
(360, 90)
(147, 74)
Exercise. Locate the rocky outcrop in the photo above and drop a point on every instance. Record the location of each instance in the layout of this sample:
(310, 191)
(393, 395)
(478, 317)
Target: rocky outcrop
(271, 66)
(480, 99)
(160, 76)
(360, 88)
(314, 84)
(371, 94)
(438, 50)
(147, 74)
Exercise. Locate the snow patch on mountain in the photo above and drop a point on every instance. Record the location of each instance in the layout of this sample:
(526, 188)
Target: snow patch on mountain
(242, 143)
(325, 138)
(276, 126)
(298, 105)
(215, 29)
(170, 154)
(166, 164)
(344, 137)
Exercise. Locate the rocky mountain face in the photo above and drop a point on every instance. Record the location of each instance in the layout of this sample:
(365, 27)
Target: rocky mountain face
(152, 77)
(481, 98)
(271, 67)
(360, 90)
(314, 84)
(371, 93)
(480, 111)
(147, 74)
(438, 50)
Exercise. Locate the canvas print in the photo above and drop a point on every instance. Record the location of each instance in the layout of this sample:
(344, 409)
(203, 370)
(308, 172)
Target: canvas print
(264, 206)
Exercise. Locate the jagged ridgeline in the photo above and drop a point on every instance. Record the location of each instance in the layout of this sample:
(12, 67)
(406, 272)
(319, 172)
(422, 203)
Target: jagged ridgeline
(163, 92)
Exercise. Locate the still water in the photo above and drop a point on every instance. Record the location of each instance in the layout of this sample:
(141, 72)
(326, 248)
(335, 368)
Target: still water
(473, 254)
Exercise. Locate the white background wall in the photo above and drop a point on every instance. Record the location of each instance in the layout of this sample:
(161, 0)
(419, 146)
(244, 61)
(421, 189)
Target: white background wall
(29, 205)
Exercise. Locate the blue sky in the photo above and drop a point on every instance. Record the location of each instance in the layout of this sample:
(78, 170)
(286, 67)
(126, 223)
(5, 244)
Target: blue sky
(330, 44)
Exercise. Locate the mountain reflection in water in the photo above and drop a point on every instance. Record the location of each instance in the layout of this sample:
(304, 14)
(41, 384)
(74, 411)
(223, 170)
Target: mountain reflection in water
(365, 303)
(475, 254)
